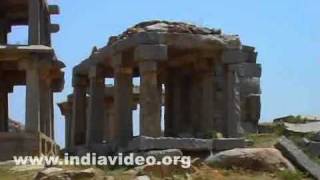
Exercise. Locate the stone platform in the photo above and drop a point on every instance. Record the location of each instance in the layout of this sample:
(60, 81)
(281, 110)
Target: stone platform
(145, 144)
(26, 144)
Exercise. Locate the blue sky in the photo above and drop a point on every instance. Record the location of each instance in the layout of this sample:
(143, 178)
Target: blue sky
(285, 33)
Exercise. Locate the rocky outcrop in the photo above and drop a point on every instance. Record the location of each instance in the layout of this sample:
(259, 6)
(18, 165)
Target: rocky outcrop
(165, 26)
(258, 159)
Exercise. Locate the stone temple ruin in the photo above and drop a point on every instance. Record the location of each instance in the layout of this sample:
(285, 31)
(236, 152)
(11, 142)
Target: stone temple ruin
(35, 66)
(211, 83)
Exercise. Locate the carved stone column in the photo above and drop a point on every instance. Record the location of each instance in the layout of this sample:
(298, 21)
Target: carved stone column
(234, 128)
(4, 119)
(148, 57)
(33, 97)
(79, 112)
(34, 21)
(3, 32)
(95, 121)
(168, 115)
(150, 101)
(123, 102)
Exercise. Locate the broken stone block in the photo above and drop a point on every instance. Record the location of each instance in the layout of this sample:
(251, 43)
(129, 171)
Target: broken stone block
(298, 157)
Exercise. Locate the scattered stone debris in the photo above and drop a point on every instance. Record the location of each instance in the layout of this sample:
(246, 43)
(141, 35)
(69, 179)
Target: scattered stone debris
(258, 159)
(298, 157)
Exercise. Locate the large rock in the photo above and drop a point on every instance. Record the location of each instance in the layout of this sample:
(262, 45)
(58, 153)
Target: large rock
(259, 159)
(298, 157)
(61, 174)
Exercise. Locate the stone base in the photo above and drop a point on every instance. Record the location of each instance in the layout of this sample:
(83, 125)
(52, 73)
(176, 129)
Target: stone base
(25, 144)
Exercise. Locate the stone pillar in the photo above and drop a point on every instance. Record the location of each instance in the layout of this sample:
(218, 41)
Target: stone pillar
(148, 57)
(51, 127)
(234, 128)
(45, 108)
(34, 21)
(207, 119)
(219, 98)
(4, 119)
(168, 115)
(3, 32)
(68, 119)
(33, 97)
(110, 131)
(95, 121)
(123, 104)
(150, 101)
(195, 96)
(79, 112)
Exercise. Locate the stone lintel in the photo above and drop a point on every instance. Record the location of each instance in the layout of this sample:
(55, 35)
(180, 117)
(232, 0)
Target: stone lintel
(54, 9)
(157, 52)
(247, 69)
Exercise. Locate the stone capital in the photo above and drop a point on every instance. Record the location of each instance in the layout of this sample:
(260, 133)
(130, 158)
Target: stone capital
(157, 52)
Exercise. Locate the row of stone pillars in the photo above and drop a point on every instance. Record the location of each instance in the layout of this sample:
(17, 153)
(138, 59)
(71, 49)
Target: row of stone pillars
(200, 97)
(150, 99)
